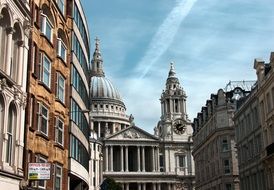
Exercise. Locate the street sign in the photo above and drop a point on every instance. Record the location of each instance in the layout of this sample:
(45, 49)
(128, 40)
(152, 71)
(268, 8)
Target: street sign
(39, 171)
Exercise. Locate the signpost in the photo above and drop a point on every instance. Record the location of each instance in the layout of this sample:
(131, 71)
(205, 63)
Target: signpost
(39, 171)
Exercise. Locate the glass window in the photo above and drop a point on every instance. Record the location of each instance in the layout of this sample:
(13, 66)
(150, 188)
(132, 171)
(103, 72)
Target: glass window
(46, 70)
(41, 183)
(43, 119)
(226, 167)
(59, 134)
(10, 133)
(60, 87)
(58, 177)
(46, 27)
(225, 145)
(62, 50)
(61, 5)
(181, 160)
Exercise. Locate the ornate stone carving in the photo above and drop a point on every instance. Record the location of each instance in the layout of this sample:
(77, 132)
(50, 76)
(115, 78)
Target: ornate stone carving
(3, 84)
(131, 135)
(27, 28)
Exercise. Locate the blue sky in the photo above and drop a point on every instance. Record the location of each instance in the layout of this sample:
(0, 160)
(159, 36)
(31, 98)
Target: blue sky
(210, 41)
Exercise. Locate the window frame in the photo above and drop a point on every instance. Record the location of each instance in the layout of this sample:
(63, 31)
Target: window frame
(59, 130)
(59, 176)
(44, 24)
(227, 169)
(61, 45)
(61, 96)
(46, 118)
(45, 70)
(61, 6)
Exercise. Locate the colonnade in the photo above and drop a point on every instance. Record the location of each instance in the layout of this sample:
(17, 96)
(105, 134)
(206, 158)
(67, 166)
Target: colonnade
(148, 186)
(173, 106)
(103, 128)
(141, 158)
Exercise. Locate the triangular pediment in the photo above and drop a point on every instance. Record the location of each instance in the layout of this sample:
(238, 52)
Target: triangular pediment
(131, 134)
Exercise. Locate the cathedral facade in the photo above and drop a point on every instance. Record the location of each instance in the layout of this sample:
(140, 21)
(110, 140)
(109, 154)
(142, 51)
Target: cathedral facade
(133, 157)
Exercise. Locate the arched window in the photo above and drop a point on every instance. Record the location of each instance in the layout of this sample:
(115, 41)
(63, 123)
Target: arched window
(4, 24)
(2, 109)
(15, 61)
(47, 22)
(11, 134)
(62, 45)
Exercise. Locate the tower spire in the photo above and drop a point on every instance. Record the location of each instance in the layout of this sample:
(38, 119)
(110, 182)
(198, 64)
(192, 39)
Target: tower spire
(97, 61)
(172, 72)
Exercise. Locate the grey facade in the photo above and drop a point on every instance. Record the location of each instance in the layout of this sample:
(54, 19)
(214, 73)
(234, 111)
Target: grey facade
(214, 141)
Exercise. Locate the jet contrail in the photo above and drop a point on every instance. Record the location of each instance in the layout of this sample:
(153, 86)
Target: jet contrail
(164, 35)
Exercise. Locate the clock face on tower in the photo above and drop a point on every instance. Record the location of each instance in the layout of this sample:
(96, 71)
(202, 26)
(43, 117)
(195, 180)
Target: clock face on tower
(179, 127)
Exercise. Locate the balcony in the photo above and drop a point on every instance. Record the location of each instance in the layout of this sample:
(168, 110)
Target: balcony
(270, 149)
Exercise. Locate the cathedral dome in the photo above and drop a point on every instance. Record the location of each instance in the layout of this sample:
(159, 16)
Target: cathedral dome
(102, 88)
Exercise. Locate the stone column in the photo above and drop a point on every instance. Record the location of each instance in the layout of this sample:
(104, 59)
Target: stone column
(158, 186)
(10, 31)
(122, 158)
(111, 158)
(169, 186)
(143, 159)
(19, 63)
(153, 159)
(106, 158)
(170, 105)
(144, 186)
(154, 186)
(126, 158)
(99, 129)
(127, 186)
(138, 158)
(157, 160)
(139, 186)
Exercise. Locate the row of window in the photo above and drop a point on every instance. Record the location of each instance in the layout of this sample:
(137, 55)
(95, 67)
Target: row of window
(80, 24)
(43, 124)
(247, 124)
(44, 72)
(205, 173)
(76, 47)
(254, 181)
(250, 149)
(78, 117)
(101, 106)
(78, 84)
(79, 152)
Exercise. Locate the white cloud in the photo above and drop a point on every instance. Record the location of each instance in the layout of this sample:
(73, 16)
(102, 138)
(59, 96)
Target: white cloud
(165, 35)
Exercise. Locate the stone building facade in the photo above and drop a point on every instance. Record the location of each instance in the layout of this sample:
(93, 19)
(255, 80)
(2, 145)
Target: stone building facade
(249, 138)
(263, 152)
(14, 37)
(133, 157)
(47, 118)
(214, 140)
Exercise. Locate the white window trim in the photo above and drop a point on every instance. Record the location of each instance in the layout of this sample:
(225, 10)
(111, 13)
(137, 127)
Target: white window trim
(43, 57)
(44, 160)
(40, 118)
(58, 120)
(45, 19)
(58, 175)
(59, 75)
(60, 44)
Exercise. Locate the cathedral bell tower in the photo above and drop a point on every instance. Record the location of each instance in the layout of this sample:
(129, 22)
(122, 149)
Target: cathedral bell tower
(174, 121)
